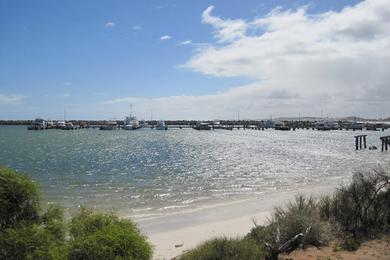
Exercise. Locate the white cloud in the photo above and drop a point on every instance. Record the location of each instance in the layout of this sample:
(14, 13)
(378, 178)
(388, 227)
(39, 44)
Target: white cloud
(10, 99)
(299, 63)
(136, 28)
(186, 42)
(110, 24)
(225, 30)
(165, 37)
(344, 55)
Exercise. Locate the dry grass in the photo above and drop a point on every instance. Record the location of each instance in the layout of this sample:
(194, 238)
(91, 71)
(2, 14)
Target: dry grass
(370, 250)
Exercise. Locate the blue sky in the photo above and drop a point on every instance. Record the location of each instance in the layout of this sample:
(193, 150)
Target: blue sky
(94, 58)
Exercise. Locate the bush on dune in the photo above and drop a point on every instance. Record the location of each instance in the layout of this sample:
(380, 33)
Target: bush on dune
(19, 198)
(103, 236)
(362, 208)
(225, 248)
(27, 232)
(300, 219)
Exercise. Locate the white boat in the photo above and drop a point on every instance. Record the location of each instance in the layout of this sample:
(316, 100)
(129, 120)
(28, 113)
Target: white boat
(355, 125)
(161, 125)
(326, 125)
(131, 123)
(202, 126)
(38, 124)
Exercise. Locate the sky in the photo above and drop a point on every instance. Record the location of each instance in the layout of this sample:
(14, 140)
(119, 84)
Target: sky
(181, 59)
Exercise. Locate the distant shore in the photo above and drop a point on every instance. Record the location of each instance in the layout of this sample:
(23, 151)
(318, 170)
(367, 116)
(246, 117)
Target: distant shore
(193, 121)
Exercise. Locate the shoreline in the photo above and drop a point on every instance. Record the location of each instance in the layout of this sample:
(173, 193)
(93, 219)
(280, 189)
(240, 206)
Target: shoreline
(172, 235)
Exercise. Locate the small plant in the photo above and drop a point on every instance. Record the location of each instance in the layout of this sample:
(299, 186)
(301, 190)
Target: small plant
(350, 243)
(298, 223)
(225, 248)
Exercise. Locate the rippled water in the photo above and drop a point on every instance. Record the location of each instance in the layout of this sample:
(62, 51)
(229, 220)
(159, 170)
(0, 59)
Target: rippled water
(151, 172)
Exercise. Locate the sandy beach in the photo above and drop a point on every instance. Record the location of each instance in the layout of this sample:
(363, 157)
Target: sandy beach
(171, 235)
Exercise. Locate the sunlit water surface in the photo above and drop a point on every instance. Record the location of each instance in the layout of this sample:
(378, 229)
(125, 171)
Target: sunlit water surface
(148, 172)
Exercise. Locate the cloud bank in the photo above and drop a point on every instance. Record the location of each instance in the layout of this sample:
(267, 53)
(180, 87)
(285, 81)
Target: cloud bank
(337, 59)
(10, 99)
(298, 63)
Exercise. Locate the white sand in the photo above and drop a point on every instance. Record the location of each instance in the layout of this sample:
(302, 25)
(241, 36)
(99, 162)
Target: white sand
(173, 234)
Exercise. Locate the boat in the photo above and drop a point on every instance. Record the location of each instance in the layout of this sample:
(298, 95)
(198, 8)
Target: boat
(326, 125)
(355, 125)
(131, 123)
(161, 125)
(69, 126)
(269, 124)
(372, 127)
(111, 125)
(281, 126)
(202, 126)
(38, 124)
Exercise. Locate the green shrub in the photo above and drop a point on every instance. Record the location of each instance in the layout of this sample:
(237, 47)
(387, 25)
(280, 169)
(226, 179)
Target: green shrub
(27, 233)
(301, 216)
(363, 207)
(296, 217)
(53, 220)
(19, 198)
(30, 241)
(225, 248)
(103, 236)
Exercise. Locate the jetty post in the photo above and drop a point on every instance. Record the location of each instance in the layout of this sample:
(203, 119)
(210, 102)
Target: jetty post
(360, 142)
(385, 142)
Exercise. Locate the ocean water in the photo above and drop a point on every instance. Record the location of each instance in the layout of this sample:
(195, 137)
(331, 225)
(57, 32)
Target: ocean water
(146, 172)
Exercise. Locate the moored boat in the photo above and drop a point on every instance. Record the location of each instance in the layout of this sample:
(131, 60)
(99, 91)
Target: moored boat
(161, 125)
(202, 126)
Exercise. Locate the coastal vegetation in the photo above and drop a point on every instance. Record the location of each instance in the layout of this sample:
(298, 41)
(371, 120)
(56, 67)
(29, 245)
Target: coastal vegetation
(355, 213)
(30, 231)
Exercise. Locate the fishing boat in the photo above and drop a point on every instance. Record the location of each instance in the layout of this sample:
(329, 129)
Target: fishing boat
(131, 122)
(202, 126)
(281, 126)
(355, 125)
(38, 124)
(161, 125)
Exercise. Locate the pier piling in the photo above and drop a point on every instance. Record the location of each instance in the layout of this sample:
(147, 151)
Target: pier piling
(360, 142)
(385, 142)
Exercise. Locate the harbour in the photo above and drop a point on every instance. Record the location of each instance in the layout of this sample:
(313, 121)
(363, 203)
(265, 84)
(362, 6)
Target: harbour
(146, 173)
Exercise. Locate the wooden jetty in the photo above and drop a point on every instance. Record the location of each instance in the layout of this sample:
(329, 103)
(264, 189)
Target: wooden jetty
(385, 142)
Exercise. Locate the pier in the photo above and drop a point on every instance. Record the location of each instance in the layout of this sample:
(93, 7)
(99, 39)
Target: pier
(385, 142)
